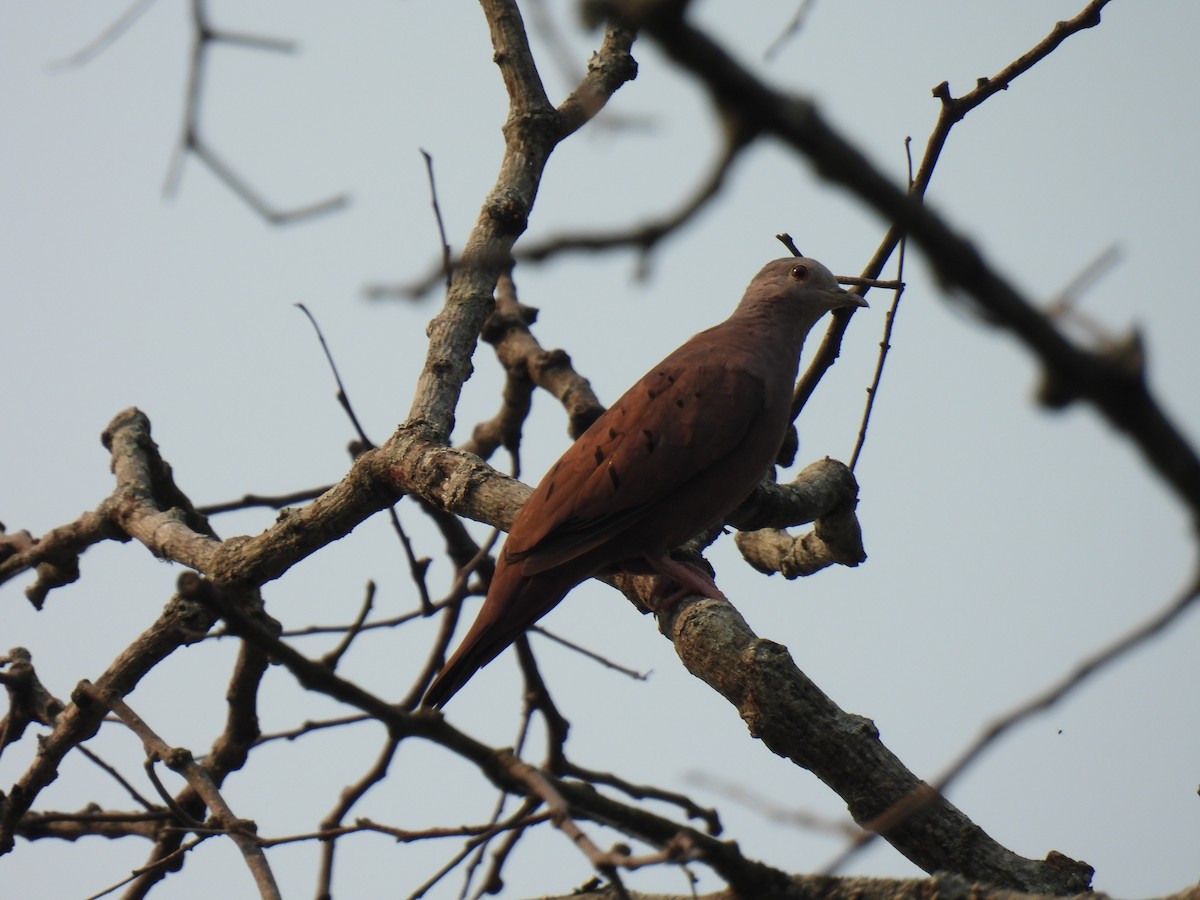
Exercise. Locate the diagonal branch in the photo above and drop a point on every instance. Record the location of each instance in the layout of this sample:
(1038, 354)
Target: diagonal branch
(784, 709)
(1040, 702)
(182, 622)
(952, 112)
(643, 237)
(1118, 392)
(192, 138)
(106, 38)
(533, 129)
(182, 762)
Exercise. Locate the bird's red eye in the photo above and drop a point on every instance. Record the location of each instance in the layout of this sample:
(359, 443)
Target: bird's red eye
(799, 273)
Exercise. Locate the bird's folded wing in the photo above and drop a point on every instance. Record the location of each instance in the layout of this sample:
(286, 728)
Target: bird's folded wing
(680, 421)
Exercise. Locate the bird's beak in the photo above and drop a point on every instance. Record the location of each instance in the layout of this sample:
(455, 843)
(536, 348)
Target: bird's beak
(842, 298)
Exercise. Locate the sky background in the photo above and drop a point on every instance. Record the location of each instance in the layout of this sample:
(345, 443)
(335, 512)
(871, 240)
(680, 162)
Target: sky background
(1005, 543)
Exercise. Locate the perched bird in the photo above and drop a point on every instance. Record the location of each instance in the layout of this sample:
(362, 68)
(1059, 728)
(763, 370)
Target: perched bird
(673, 456)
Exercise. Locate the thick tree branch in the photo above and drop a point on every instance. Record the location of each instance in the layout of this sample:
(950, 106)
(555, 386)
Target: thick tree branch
(792, 716)
(527, 365)
(824, 492)
(819, 887)
(532, 131)
(782, 708)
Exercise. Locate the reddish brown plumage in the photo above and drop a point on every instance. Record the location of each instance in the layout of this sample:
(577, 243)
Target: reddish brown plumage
(674, 455)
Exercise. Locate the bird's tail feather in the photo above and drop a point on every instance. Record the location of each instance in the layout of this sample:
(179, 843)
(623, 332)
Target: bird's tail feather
(468, 660)
(513, 604)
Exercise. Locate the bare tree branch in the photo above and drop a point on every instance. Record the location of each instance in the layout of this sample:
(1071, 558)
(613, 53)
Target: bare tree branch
(192, 138)
(1118, 394)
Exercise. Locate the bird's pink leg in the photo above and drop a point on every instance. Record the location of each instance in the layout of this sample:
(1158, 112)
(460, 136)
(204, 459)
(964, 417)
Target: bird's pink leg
(691, 580)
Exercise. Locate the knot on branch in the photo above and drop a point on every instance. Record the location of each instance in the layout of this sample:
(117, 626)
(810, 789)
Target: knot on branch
(506, 318)
(28, 699)
(12, 544)
(825, 493)
(510, 214)
(633, 13)
(1117, 365)
(553, 370)
(178, 759)
(58, 572)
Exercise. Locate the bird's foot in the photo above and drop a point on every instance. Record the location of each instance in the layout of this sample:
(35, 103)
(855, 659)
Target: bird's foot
(690, 580)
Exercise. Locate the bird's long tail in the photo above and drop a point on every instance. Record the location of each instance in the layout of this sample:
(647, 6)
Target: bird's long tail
(514, 602)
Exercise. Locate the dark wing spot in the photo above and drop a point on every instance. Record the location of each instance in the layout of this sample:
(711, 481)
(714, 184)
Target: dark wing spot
(612, 433)
(679, 403)
(651, 443)
(612, 473)
(653, 394)
(599, 456)
(550, 490)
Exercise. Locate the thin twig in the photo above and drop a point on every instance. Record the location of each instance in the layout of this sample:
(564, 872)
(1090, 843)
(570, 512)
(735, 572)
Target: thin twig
(883, 284)
(158, 865)
(885, 343)
(1083, 670)
(790, 30)
(953, 110)
(105, 39)
(343, 398)
(447, 266)
(180, 814)
(595, 657)
(417, 566)
(690, 808)
(350, 795)
(1040, 702)
(334, 656)
(191, 139)
(1064, 304)
(252, 41)
(271, 501)
(771, 809)
(117, 776)
(204, 152)
(181, 761)
(642, 237)
(560, 812)
(309, 727)
(480, 836)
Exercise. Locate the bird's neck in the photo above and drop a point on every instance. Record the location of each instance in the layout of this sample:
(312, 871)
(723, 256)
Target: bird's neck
(769, 331)
(753, 342)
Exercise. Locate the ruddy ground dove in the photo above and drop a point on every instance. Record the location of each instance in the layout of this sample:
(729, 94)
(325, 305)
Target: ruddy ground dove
(673, 456)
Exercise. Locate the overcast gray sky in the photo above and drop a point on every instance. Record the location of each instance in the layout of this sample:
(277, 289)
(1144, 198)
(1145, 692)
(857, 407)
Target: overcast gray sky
(1005, 543)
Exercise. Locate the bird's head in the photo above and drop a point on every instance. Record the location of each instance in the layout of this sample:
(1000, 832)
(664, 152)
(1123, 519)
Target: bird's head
(798, 287)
